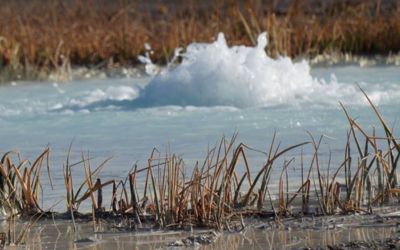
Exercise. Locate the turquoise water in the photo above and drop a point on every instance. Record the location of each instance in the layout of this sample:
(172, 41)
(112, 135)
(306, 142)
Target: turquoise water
(104, 117)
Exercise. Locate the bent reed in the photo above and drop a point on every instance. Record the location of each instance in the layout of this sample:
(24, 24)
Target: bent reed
(37, 37)
(214, 195)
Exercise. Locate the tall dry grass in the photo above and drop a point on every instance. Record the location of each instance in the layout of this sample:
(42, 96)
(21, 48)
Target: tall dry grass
(50, 34)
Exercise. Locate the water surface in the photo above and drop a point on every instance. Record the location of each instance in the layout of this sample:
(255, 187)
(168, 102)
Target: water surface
(185, 109)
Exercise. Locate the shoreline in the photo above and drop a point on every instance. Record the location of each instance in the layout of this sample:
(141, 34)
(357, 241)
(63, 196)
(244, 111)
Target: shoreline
(377, 231)
(109, 70)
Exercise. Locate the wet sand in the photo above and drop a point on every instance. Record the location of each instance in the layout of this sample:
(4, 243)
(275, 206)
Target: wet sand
(353, 231)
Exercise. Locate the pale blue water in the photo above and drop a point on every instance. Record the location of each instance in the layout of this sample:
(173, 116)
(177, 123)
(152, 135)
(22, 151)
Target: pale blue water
(105, 117)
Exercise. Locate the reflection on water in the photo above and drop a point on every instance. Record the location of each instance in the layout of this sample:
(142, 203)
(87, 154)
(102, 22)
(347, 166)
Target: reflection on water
(47, 235)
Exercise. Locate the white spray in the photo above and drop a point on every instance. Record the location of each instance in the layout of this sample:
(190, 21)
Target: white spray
(217, 75)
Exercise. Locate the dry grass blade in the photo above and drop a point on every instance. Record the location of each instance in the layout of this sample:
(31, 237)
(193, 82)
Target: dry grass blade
(89, 182)
(94, 189)
(388, 131)
(266, 166)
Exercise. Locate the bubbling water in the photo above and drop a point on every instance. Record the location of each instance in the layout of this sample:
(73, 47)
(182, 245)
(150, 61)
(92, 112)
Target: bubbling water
(212, 77)
(217, 75)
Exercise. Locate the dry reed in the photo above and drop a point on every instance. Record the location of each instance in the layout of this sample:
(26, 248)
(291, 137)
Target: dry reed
(39, 36)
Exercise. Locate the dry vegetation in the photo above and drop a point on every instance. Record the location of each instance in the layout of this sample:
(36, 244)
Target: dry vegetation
(214, 195)
(53, 34)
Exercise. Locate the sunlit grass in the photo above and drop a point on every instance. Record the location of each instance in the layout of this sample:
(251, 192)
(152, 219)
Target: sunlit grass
(37, 36)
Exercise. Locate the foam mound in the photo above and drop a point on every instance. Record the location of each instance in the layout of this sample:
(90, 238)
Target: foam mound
(218, 75)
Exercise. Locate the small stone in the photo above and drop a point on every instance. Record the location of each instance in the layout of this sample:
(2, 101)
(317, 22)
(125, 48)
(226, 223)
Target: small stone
(86, 240)
(177, 243)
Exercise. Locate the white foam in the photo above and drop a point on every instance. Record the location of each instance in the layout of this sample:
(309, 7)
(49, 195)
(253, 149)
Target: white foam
(176, 110)
(215, 74)
(67, 102)
(60, 90)
(120, 93)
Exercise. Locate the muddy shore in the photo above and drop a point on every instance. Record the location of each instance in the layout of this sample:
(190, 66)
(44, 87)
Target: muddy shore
(379, 244)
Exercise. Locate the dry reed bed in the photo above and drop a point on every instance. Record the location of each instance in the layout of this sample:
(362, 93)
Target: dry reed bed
(214, 195)
(40, 36)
